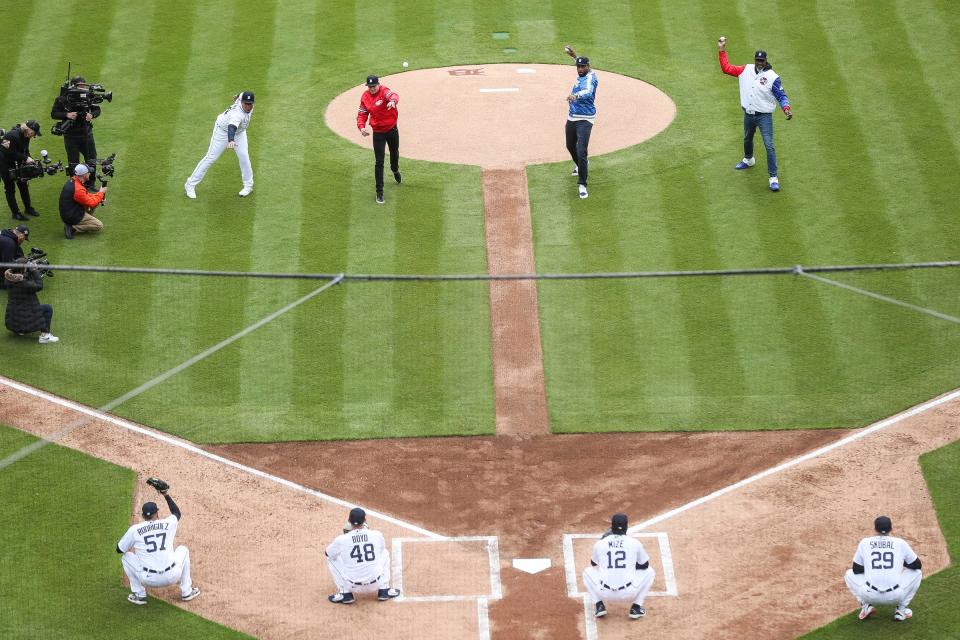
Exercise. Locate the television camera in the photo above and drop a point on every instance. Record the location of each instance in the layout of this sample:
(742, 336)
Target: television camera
(37, 169)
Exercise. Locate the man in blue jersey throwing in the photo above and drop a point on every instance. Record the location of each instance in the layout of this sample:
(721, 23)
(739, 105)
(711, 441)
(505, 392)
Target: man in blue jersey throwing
(580, 117)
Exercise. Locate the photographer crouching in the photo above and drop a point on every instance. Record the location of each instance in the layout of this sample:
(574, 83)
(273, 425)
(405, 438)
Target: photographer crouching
(77, 203)
(24, 313)
(75, 108)
(15, 152)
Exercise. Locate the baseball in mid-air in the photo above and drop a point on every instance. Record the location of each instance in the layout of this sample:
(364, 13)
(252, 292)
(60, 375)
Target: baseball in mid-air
(723, 39)
(405, 64)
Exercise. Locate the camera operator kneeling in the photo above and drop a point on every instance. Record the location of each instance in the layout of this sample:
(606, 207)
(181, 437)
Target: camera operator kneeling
(25, 314)
(76, 203)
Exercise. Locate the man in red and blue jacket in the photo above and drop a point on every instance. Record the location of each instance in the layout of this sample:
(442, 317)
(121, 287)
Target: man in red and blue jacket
(760, 92)
(379, 105)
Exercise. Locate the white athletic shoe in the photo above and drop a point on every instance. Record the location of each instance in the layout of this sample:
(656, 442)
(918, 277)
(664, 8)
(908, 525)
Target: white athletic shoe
(246, 191)
(583, 190)
(190, 596)
(866, 611)
(902, 613)
(48, 338)
(190, 191)
(576, 171)
(137, 600)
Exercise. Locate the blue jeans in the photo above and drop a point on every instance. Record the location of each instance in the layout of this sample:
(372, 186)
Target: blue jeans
(765, 122)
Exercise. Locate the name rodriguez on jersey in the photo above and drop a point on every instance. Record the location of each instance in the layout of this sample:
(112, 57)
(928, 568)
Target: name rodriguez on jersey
(154, 526)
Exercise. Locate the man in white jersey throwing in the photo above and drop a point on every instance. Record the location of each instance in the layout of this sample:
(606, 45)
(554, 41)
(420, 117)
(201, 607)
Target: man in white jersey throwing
(885, 571)
(229, 132)
(619, 570)
(359, 561)
(149, 558)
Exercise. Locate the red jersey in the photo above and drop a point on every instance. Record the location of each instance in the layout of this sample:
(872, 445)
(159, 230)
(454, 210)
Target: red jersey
(374, 107)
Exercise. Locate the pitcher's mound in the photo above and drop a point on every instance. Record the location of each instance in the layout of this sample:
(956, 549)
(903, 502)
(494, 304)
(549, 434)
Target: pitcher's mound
(506, 115)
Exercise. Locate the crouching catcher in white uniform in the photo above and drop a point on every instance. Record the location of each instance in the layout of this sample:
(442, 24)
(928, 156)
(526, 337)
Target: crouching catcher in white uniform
(619, 570)
(149, 558)
(359, 561)
(885, 571)
(229, 132)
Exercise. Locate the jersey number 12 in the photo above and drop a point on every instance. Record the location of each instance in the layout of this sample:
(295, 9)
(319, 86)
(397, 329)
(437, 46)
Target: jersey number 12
(616, 560)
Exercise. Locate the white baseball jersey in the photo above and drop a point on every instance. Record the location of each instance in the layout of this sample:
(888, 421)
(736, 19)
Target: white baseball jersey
(236, 116)
(153, 542)
(617, 556)
(882, 558)
(360, 553)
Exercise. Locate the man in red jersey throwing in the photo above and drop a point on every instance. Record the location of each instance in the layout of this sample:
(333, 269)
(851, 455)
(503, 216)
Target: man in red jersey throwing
(379, 105)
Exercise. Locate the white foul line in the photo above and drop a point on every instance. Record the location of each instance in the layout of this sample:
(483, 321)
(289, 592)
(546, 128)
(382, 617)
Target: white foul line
(504, 90)
(877, 296)
(883, 424)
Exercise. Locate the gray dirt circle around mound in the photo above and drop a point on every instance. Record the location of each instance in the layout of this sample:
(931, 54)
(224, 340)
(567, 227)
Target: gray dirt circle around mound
(505, 115)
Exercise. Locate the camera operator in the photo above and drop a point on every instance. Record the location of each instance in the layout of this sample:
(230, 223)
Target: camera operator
(14, 151)
(24, 313)
(76, 204)
(76, 122)
(10, 241)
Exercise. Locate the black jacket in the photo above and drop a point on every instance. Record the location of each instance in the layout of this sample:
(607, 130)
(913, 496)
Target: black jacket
(19, 148)
(9, 248)
(78, 128)
(23, 307)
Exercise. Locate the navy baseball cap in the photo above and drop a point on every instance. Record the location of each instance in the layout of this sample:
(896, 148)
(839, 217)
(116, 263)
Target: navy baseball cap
(247, 96)
(23, 229)
(619, 522)
(581, 60)
(149, 508)
(372, 81)
(357, 516)
(33, 124)
(882, 524)
(759, 54)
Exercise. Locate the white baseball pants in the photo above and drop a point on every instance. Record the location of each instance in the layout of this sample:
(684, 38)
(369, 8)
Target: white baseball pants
(140, 578)
(636, 592)
(345, 585)
(218, 143)
(901, 596)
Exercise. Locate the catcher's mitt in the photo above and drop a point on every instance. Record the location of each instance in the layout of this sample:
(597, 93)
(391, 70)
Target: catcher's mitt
(158, 484)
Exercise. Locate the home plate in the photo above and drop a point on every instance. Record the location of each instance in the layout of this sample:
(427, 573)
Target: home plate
(531, 565)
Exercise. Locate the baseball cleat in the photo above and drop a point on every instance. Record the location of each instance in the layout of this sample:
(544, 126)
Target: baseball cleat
(745, 163)
(583, 190)
(245, 192)
(341, 598)
(138, 600)
(866, 611)
(190, 596)
(386, 594)
(902, 614)
(379, 198)
(636, 611)
(599, 610)
(190, 191)
(774, 184)
(397, 177)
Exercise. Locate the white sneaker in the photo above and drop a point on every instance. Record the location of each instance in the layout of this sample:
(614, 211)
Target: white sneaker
(866, 610)
(194, 592)
(47, 338)
(246, 191)
(576, 171)
(902, 613)
(583, 190)
(190, 191)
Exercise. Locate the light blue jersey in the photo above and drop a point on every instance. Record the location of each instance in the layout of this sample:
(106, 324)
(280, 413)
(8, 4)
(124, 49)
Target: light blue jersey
(586, 91)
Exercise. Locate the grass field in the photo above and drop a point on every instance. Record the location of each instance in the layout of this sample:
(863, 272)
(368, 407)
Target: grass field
(70, 509)
(866, 166)
(933, 608)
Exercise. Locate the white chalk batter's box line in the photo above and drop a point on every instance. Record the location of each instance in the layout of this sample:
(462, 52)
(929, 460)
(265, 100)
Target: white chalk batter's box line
(493, 555)
(666, 559)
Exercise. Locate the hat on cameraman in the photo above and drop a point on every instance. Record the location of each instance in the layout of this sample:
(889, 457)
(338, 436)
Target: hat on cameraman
(33, 124)
(22, 228)
(81, 170)
(372, 81)
(247, 96)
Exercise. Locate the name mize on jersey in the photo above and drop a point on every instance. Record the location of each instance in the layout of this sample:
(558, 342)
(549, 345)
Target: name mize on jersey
(615, 543)
(881, 544)
(360, 537)
(153, 526)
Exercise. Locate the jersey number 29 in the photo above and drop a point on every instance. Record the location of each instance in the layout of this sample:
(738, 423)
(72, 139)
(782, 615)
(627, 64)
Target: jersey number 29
(880, 560)
(364, 554)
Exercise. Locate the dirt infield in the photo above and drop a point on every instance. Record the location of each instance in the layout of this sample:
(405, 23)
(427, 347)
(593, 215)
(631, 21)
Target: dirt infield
(786, 537)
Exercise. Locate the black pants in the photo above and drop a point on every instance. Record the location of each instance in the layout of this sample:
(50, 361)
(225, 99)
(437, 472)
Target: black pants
(76, 145)
(47, 312)
(391, 139)
(8, 187)
(578, 138)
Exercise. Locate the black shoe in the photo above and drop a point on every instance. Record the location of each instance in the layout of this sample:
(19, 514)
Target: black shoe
(68, 231)
(33, 212)
(397, 177)
(19, 216)
(386, 594)
(636, 611)
(379, 198)
(341, 598)
(599, 610)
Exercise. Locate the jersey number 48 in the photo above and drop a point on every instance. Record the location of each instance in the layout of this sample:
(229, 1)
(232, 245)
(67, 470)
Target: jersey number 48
(364, 554)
